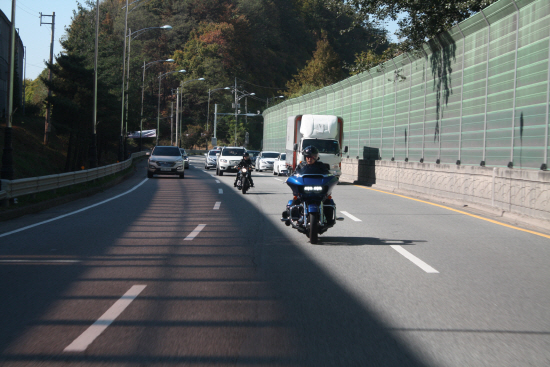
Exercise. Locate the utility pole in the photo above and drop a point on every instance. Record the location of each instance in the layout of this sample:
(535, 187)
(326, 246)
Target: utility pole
(215, 139)
(48, 126)
(93, 148)
(172, 124)
(236, 100)
(24, 78)
(121, 139)
(177, 117)
(127, 96)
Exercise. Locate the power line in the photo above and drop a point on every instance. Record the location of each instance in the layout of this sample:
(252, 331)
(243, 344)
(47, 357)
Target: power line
(28, 8)
(20, 8)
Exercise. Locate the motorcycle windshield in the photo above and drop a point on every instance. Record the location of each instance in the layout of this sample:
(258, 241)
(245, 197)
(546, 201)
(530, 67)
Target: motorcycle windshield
(311, 169)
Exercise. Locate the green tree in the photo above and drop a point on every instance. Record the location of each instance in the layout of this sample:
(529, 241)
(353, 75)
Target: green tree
(72, 103)
(323, 69)
(418, 21)
(35, 95)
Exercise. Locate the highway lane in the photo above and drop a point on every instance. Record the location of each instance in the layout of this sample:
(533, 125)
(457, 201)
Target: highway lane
(225, 282)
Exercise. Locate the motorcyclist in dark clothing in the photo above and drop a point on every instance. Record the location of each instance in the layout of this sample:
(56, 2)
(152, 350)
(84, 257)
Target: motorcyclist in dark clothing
(312, 165)
(311, 157)
(245, 162)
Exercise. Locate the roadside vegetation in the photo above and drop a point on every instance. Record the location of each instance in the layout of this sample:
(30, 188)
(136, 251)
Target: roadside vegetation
(269, 48)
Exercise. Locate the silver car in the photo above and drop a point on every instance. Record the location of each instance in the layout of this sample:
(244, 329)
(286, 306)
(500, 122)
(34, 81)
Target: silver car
(210, 159)
(165, 160)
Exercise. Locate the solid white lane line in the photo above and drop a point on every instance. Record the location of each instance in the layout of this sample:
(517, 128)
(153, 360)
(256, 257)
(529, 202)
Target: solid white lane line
(421, 264)
(87, 337)
(75, 212)
(220, 191)
(41, 261)
(217, 181)
(217, 206)
(351, 216)
(195, 232)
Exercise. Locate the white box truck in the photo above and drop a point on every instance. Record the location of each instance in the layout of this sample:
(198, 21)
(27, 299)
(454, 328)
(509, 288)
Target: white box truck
(325, 132)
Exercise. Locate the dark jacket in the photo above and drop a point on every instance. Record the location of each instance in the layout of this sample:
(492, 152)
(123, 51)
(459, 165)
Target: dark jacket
(245, 163)
(317, 167)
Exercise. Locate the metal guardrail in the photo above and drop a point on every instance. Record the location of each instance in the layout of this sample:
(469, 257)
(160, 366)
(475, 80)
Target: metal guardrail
(33, 185)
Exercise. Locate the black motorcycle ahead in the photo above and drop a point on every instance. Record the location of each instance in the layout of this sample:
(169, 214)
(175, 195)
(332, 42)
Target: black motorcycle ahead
(243, 178)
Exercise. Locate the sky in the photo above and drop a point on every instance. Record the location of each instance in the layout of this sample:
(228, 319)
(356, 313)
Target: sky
(37, 37)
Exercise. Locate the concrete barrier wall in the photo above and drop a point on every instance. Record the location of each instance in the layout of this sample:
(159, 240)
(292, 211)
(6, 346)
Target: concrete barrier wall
(511, 191)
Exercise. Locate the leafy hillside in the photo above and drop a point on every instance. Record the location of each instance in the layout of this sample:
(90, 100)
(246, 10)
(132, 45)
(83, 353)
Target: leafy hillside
(264, 48)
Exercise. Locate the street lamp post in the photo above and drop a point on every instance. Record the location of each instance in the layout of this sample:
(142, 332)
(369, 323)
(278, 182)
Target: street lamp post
(121, 141)
(136, 34)
(158, 106)
(93, 154)
(145, 66)
(272, 99)
(237, 99)
(208, 113)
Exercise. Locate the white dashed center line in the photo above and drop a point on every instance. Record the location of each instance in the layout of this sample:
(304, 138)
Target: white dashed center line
(217, 206)
(421, 264)
(278, 179)
(195, 232)
(351, 216)
(220, 191)
(217, 181)
(87, 337)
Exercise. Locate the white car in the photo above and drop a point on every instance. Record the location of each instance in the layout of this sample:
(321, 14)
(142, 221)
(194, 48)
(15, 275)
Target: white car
(279, 166)
(228, 158)
(210, 158)
(265, 160)
(165, 160)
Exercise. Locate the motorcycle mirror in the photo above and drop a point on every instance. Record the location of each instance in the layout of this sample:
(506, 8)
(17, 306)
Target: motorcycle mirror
(346, 149)
(295, 147)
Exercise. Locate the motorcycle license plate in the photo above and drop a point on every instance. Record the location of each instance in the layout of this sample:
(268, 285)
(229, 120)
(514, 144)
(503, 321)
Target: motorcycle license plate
(312, 208)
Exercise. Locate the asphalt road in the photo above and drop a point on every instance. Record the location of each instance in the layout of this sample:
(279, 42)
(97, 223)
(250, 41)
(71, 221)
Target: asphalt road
(170, 272)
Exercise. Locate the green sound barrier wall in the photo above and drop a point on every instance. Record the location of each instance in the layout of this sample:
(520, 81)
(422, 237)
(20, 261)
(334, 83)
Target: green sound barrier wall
(478, 94)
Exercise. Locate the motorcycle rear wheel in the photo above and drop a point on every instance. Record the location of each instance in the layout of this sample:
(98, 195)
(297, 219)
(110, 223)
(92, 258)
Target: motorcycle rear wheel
(313, 228)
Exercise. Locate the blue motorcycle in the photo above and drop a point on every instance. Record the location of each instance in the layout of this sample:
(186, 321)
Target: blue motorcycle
(312, 211)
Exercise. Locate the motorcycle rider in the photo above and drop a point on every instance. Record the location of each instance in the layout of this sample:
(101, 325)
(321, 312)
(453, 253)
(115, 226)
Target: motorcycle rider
(245, 162)
(311, 157)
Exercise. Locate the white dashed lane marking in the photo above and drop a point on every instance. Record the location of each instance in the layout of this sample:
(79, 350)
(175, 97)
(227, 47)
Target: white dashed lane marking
(415, 260)
(217, 206)
(220, 191)
(351, 216)
(87, 337)
(195, 232)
